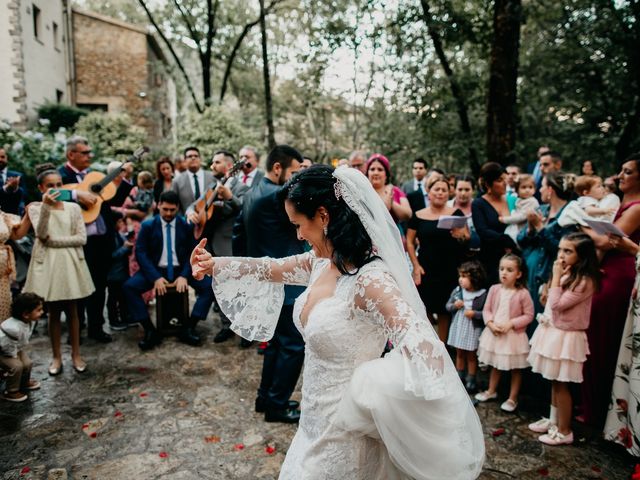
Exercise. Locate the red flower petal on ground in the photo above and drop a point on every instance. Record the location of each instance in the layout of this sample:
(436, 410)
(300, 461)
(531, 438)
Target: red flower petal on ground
(270, 449)
(239, 446)
(144, 394)
(85, 426)
(93, 434)
(543, 472)
(498, 431)
(163, 454)
(117, 414)
(596, 469)
(142, 369)
(25, 470)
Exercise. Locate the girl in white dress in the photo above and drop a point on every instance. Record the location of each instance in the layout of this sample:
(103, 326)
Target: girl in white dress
(403, 416)
(57, 271)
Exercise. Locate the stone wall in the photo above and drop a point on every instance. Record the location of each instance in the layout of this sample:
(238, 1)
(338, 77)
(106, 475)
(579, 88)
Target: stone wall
(13, 93)
(116, 68)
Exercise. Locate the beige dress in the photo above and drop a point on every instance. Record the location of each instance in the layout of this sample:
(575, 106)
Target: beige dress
(58, 270)
(7, 263)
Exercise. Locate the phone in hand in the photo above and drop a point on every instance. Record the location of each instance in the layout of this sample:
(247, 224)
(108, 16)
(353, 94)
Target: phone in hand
(65, 195)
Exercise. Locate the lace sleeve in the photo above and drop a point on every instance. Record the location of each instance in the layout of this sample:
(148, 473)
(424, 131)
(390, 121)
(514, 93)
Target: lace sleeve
(250, 291)
(377, 296)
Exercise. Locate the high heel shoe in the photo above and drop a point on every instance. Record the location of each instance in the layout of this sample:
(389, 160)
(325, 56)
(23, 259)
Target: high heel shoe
(53, 371)
(81, 367)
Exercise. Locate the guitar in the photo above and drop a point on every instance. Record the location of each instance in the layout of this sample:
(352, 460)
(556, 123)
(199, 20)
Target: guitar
(204, 206)
(100, 185)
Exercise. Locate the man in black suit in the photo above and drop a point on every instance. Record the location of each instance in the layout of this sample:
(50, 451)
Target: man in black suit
(270, 233)
(163, 248)
(11, 193)
(100, 236)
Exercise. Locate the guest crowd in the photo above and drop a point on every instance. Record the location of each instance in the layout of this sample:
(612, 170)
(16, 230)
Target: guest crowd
(529, 270)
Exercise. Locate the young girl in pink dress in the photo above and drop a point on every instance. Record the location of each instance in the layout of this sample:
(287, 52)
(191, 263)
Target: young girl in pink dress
(504, 344)
(559, 345)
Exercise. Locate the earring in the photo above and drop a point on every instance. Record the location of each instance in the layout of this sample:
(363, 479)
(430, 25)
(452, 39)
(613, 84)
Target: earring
(325, 230)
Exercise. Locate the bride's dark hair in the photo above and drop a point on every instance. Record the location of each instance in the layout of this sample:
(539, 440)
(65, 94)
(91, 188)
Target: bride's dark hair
(313, 188)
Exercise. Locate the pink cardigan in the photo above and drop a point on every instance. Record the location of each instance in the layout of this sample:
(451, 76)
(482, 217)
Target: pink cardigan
(571, 309)
(520, 307)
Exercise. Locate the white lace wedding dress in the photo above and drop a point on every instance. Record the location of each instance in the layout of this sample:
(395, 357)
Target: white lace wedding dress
(363, 417)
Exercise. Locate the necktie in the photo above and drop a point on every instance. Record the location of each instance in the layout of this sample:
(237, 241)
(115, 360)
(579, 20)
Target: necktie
(245, 178)
(169, 253)
(197, 184)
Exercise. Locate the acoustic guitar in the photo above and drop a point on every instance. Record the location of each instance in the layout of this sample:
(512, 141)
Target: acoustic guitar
(100, 185)
(205, 206)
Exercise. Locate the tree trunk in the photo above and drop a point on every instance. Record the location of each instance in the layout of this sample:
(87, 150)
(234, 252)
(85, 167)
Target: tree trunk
(503, 74)
(456, 91)
(271, 140)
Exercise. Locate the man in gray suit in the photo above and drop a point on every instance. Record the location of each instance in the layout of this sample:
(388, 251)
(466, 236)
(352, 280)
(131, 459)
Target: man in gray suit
(419, 172)
(250, 175)
(193, 182)
(219, 228)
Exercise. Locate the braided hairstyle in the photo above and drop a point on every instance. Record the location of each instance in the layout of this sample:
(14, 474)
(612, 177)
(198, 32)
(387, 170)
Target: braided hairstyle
(313, 188)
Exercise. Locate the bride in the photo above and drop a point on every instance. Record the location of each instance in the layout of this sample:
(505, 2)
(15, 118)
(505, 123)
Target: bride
(404, 416)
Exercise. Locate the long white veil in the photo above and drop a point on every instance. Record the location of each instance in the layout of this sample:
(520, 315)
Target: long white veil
(427, 421)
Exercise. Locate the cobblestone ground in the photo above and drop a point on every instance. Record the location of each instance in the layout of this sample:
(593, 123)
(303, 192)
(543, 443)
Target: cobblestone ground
(180, 412)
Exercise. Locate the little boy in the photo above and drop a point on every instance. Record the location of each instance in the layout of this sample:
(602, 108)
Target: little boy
(15, 331)
(594, 203)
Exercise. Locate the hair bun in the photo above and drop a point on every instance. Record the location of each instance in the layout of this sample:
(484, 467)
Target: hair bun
(569, 182)
(44, 167)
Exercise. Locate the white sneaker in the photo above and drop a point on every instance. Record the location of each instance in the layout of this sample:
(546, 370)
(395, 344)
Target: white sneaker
(554, 437)
(541, 426)
(485, 396)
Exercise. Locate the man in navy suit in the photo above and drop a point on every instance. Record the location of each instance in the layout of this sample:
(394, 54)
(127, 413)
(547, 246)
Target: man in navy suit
(163, 248)
(11, 193)
(270, 233)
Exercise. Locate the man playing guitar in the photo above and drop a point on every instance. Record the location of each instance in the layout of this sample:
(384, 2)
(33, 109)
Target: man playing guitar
(228, 193)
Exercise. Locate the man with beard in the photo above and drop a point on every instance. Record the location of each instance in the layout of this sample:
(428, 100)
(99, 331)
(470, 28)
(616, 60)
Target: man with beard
(270, 234)
(218, 229)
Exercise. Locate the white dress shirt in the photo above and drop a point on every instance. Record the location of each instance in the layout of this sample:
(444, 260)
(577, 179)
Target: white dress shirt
(248, 181)
(200, 177)
(163, 258)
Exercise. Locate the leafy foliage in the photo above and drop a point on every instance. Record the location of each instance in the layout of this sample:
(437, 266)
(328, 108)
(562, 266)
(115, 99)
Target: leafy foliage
(60, 115)
(110, 134)
(214, 129)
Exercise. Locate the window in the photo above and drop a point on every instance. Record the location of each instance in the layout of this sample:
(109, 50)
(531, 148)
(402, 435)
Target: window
(103, 107)
(37, 22)
(59, 95)
(55, 35)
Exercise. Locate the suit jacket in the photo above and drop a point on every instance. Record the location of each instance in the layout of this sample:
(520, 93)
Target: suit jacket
(149, 246)
(416, 200)
(408, 186)
(269, 231)
(182, 186)
(12, 202)
(219, 228)
(258, 178)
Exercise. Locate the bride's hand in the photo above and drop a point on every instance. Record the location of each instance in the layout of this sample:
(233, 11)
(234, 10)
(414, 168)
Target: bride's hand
(201, 261)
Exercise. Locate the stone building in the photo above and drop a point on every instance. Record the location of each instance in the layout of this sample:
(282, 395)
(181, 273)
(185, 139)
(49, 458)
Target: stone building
(34, 57)
(120, 68)
(51, 52)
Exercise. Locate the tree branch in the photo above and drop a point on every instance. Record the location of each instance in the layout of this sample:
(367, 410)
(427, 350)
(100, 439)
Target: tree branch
(173, 54)
(245, 31)
(192, 32)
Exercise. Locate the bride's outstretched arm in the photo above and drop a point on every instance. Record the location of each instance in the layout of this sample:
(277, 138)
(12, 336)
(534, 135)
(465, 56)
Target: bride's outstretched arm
(293, 270)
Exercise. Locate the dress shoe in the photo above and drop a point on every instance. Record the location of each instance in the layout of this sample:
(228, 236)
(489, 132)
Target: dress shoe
(101, 337)
(244, 343)
(223, 335)
(55, 370)
(283, 416)
(118, 326)
(150, 340)
(79, 367)
(260, 405)
(190, 337)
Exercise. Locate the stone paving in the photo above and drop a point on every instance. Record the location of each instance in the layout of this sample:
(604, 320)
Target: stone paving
(180, 412)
